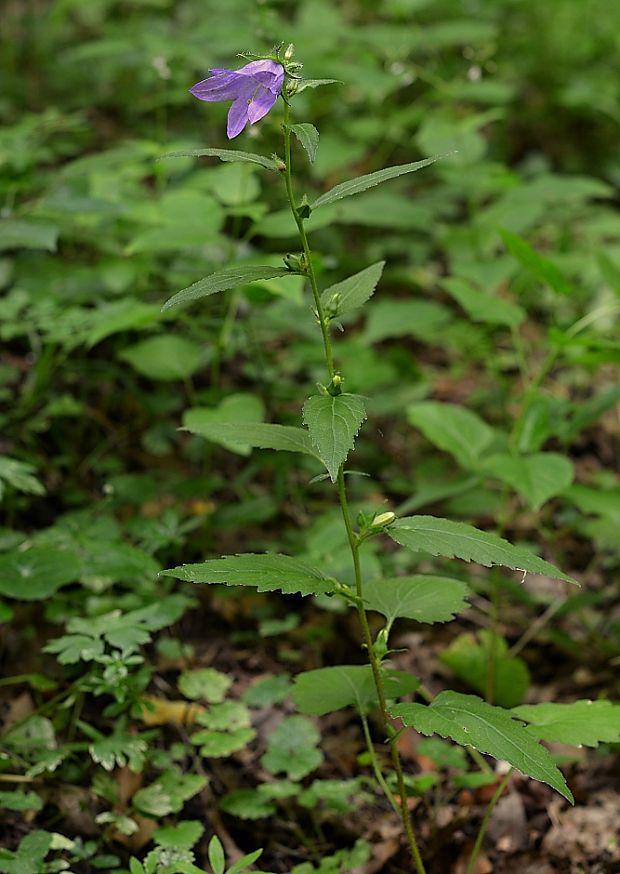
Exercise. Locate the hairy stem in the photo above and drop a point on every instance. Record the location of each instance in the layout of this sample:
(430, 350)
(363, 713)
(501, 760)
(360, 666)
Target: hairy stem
(352, 538)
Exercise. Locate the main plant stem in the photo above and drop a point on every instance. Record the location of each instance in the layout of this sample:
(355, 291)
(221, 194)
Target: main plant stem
(351, 536)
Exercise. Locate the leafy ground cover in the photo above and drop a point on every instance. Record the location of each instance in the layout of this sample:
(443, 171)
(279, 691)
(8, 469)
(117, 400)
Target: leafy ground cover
(152, 725)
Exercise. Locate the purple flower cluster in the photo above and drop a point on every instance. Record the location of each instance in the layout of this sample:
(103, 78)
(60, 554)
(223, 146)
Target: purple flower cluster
(254, 90)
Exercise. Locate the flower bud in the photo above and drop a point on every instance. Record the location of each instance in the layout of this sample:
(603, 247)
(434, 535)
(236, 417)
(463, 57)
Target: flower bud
(383, 519)
(290, 51)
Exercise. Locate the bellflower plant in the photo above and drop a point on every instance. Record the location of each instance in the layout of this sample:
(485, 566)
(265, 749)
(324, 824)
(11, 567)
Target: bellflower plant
(332, 418)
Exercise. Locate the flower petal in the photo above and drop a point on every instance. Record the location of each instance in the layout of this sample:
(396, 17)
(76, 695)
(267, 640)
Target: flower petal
(223, 85)
(237, 117)
(268, 73)
(260, 104)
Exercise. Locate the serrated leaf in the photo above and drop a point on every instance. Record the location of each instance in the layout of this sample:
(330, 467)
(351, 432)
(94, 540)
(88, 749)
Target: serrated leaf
(362, 183)
(222, 280)
(327, 689)
(455, 429)
(292, 748)
(217, 860)
(458, 540)
(218, 744)
(268, 573)
(168, 793)
(308, 136)
(245, 434)
(469, 659)
(483, 307)
(540, 267)
(420, 597)
(19, 800)
(537, 477)
(333, 423)
(470, 721)
(204, 684)
(230, 155)
(355, 290)
(582, 723)
(183, 835)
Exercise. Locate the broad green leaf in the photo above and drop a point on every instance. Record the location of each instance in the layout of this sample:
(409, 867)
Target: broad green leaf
(248, 804)
(225, 716)
(469, 659)
(355, 290)
(204, 684)
(308, 136)
(268, 573)
(292, 748)
(166, 358)
(127, 314)
(315, 83)
(183, 835)
(236, 413)
(219, 744)
(362, 183)
(225, 155)
(327, 689)
(36, 573)
(222, 280)
(424, 319)
(251, 434)
(535, 477)
(455, 429)
(582, 723)
(18, 800)
(168, 793)
(24, 234)
(420, 597)
(458, 540)
(541, 268)
(217, 860)
(333, 423)
(483, 307)
(470, 721)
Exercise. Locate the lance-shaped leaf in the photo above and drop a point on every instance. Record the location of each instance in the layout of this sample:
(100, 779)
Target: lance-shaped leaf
(455, 429)
(420, 597)
(225, 155)
(222, 280)
(362, 183)
(266, 573)
(333, 423)
(458, 540)
(540, 267)
(582, 723)
(315, 83)
(255, 434)
(308, 136)
(327, 689)
(355, 290)
(483, 307)
(470, 721)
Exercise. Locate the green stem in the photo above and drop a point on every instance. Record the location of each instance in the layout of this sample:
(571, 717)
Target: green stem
(323, 321)
(351, 536)
(485, 821)
(376, 767)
